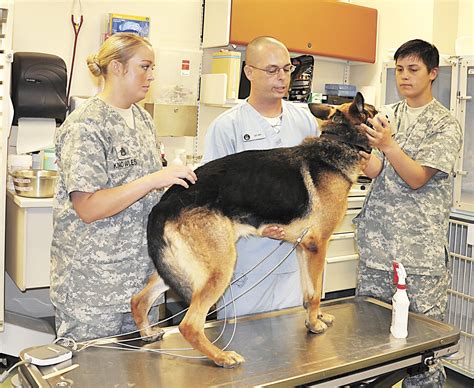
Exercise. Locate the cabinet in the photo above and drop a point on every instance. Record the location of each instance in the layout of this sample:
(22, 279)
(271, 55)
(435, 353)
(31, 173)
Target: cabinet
(29, 231)
(464, 180)
(460, 310)
(308, 26)
(342, 259)
(304, 26)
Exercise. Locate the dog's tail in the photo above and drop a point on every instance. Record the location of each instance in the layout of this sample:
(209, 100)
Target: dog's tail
(155, 233)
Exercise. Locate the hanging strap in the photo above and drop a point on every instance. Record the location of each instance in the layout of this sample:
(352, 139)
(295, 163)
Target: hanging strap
(77, 28)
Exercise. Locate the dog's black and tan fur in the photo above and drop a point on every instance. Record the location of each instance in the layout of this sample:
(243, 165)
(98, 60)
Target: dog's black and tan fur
(192, 232)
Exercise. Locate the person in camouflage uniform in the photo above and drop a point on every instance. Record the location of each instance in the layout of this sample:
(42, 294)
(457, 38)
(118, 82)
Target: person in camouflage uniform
(406, 213)
(109, 180)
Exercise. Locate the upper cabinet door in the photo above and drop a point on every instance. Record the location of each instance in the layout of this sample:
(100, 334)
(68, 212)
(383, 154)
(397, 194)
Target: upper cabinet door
(318, 27)
(464, 180)
(216, 23)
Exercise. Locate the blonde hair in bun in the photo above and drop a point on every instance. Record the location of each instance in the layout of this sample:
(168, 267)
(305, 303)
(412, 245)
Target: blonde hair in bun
(120, 47)
(93, 64)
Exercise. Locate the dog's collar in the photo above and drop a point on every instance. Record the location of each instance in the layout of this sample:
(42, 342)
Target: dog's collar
(355, 145)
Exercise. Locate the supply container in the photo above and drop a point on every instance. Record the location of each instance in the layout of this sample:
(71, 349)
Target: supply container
(34, 183)
(178, 157)
(37, 158)
(49, 159)
(17, 162)
(228, 62)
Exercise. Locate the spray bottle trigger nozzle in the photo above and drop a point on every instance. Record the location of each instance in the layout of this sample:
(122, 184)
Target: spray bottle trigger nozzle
(395, 272)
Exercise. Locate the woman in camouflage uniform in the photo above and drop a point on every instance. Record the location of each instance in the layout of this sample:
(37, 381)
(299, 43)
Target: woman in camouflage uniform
(109, 180)
(405, 216)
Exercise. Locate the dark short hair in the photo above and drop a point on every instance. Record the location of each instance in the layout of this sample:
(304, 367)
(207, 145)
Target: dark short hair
(418, 48)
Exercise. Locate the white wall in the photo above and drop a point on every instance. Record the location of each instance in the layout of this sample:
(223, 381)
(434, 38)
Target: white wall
(445, 25)
(437, 21)
(466, 18)
(398, 21)
(45, 26)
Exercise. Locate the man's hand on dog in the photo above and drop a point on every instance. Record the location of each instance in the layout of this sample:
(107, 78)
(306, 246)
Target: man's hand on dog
(174, 175)
(380, 135)
(274, 232)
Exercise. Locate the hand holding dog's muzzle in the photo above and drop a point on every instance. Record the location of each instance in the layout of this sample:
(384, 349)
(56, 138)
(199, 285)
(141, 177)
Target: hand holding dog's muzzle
(379, 132)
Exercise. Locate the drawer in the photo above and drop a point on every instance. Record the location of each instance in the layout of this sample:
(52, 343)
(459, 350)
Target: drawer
(346, 225)
(359, 189)
(355, 202)
(341, 244)
(340, 273)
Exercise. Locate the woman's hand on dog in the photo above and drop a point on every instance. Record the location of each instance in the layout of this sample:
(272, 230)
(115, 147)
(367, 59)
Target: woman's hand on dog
(173, 175)
(273, 231)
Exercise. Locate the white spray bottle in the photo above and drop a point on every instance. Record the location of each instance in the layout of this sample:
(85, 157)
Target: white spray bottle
(400, 303)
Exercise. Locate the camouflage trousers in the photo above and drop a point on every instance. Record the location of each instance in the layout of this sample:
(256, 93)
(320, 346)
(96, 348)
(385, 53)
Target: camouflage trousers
(85, 327)
(428, 295)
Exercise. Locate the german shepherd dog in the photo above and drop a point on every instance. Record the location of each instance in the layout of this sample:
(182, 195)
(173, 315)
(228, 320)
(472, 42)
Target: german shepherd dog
(192, 232)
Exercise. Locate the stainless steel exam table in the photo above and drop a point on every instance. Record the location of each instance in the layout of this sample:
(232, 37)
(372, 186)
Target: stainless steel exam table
(278, 351)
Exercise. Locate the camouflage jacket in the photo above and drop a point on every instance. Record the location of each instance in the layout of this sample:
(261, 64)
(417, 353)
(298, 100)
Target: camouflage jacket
(407, 225)
(96, 267)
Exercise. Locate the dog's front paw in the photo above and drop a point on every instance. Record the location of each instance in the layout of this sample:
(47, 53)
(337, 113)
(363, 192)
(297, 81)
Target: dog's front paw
(328, 319)
(152, 334)
(318, 327)
(229, 359)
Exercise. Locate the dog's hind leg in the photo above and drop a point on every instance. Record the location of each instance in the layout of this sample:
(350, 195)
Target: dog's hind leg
(141, 304)
(214, 256)
(192, 328)
(313, 254)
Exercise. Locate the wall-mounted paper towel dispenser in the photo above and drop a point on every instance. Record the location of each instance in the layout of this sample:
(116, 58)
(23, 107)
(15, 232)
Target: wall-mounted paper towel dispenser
(38, 86)
(173, 120)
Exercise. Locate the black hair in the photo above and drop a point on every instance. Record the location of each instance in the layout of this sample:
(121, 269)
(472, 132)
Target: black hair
(418, 48)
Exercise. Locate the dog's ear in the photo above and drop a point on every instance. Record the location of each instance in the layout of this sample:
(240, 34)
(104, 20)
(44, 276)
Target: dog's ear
(321, 111)
(357, 107)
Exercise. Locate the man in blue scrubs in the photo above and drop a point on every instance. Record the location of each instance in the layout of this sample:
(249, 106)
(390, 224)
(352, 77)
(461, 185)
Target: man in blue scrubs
(263, 121)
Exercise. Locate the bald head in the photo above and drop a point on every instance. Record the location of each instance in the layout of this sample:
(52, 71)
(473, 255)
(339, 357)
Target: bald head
(258, 48)
(267, 67)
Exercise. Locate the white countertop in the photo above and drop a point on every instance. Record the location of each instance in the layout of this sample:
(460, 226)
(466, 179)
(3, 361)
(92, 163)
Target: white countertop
(30, 202)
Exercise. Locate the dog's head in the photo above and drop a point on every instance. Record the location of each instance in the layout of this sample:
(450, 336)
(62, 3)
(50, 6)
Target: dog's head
(342, 122)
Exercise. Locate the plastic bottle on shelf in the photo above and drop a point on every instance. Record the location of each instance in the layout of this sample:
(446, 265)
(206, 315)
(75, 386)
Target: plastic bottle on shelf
(164, 162)
(37, 160)
(178, 159)
(400, 303)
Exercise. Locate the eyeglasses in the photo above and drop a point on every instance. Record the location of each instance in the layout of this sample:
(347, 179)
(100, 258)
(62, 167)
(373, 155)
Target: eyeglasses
(274, 70)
